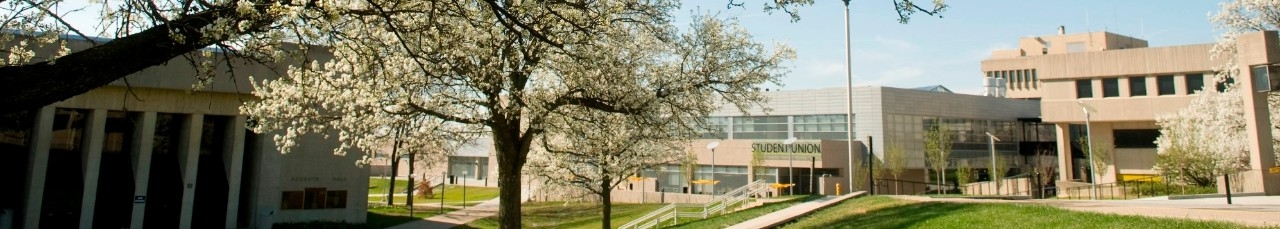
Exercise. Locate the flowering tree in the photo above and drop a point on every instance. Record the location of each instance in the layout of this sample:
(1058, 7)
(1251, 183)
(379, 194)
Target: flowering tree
(597, 151)
(1204, 140)
(515, 89)
(41, 69)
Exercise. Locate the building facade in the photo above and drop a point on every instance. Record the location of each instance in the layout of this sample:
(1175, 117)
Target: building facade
(817, 119)
(151, 153)
(1126, 83)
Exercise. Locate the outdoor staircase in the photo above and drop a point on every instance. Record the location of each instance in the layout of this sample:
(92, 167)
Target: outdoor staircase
(717, 205)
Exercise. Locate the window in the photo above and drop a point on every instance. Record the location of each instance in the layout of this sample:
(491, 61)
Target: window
(336, 199)
(292, 200)
(1137, 86)
(1195, 82)
(1145, 138)
(1084, 89)
(1164, 85)
(1034, 80)
(1111, 87)
(1225, 83)
(313, 198)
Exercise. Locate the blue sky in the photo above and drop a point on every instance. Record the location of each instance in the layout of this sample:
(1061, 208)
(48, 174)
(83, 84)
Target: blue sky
(948, 50)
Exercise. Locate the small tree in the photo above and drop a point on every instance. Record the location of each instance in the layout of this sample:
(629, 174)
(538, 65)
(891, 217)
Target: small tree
(1100, 153)
(997, 170)
(964, 174)
(937, 149)
(895, 158)
(1042, 169)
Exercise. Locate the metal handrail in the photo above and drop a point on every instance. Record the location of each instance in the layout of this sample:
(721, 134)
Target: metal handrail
(716, 205)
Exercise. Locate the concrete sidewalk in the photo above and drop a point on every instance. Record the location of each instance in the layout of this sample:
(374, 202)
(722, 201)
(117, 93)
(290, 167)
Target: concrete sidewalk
(790, 213)
(454, 218)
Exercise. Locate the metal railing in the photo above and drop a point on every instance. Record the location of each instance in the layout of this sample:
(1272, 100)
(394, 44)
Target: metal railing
(716, 205)
(1026, 184)
(1136, 188)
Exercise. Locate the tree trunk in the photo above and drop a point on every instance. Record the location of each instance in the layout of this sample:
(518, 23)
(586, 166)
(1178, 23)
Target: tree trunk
(511, 147)
(395, 169)
(607, 199)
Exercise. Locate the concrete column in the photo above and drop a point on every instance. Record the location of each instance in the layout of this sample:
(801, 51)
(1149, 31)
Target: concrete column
(233, 161)
(41, 141)
(1258, 48)
(143, 141)
(1064, 150)
(90, 162)
(188, 161)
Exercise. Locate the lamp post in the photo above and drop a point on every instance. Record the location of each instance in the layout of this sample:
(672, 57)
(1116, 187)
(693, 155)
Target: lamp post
(464, 189)
(791, 176)
(712, 146)
(848, 73)
(993, 139)
(1088, 131)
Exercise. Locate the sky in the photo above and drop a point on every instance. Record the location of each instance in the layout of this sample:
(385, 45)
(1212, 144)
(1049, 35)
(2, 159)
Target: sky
(948, 50)
(929, 50)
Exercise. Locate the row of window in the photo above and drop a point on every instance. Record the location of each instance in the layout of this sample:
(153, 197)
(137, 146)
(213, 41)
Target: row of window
(830, 126)
(1017, 79)
(314, 198)
(1193, 83)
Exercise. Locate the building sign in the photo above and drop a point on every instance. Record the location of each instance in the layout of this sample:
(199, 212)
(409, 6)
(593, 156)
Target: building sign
(778, 147)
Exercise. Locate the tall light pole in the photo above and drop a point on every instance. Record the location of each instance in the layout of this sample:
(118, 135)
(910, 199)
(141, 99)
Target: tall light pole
(791, 176)
(712, 146)
(848, 73)
(993, 139)
(1088, 131)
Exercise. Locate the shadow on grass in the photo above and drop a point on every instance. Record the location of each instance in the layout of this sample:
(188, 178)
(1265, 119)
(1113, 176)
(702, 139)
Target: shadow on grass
(902, 216)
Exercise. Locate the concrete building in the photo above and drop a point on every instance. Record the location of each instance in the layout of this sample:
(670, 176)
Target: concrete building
(817, 118)
(1129, 85)
(151, 153)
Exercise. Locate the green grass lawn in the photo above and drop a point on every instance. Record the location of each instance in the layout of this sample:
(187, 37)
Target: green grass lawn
(452, 196)
(886, 212)
(380, 185)
(378, 218)
(569, 215)
(730, 219)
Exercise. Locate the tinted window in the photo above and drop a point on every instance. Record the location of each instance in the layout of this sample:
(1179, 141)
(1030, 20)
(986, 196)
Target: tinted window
(1136, 138)
(1222, 86)
(1164, 85)
(1195, 82)
(1137, 86)
(1111, 87)
(1084, 89)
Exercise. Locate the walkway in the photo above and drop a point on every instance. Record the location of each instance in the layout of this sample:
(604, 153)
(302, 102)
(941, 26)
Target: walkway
(454, 218)
(790, 213)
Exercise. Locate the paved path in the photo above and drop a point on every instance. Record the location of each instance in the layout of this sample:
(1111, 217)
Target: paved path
(454, 218)
(787, 214)
(1252, 211)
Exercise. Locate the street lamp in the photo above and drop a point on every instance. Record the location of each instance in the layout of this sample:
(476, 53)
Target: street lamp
(791, 176)
(712, 146)
(464, 189)
(848, 73)
(993, 139)
(1088, 130)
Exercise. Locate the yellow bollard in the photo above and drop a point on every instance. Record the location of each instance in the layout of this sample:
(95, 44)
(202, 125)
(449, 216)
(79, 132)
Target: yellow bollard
(837, 189)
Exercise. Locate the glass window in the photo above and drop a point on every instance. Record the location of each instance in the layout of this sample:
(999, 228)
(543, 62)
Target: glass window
(1111, 87)
(292, 200)
(1137, 86)
(1084, 89)
(1035, 80)
(1136, 138)
(1195, 83)
(336, 199)
(1164, 85)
